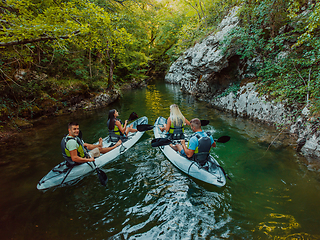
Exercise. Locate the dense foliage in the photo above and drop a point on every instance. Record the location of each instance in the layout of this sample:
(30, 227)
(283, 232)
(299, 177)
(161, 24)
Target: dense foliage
(58, 48)
(281, 40)
(73, 47)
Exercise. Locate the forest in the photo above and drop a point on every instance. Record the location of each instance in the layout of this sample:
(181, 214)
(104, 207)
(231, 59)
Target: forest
(54, 50)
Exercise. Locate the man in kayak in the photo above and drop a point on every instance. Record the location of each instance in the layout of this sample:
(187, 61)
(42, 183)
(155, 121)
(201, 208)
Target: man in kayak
(199, 143)
(74, 149)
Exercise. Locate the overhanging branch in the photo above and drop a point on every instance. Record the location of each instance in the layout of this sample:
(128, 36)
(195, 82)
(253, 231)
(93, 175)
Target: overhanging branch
(40, 39)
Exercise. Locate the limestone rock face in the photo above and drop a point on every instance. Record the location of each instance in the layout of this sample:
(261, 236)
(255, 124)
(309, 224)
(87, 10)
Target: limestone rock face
(207, 72)
(197, 66)
(247, 103)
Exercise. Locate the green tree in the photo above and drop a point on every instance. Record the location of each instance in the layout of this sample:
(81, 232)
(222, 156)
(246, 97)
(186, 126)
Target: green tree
(80, 23)
(275, 36)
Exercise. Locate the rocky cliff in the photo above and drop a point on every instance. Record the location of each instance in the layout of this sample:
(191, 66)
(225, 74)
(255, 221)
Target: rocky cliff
(225, 81)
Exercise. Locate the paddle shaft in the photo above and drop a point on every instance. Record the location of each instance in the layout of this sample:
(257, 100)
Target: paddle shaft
(157, 142)
(146, 127)
(101, 174)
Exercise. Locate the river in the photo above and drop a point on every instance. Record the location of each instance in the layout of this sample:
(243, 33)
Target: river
(271, 195)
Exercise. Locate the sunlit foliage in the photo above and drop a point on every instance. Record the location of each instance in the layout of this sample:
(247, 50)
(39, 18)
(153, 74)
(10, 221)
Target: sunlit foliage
(95, 45)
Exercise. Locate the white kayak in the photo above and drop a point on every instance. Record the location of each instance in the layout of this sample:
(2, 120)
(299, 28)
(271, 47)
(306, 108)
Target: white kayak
(61, 175)
(211, 173)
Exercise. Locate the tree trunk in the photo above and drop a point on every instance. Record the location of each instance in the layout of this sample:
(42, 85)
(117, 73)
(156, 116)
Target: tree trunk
(111, 68)
(90, 64)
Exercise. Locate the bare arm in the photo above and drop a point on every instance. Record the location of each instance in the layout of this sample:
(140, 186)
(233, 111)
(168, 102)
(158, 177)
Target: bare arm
(187, 151)
(76, 158)
(168, 124)
(187, 122)
(122, 129)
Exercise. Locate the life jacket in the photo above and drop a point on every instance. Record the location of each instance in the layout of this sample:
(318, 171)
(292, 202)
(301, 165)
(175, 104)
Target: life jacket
(115, 134)
(66, 153)
(202, 152)
(176, 132)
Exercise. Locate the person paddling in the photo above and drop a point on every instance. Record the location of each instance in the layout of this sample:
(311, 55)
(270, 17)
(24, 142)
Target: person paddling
(175, 123)
(199, 144)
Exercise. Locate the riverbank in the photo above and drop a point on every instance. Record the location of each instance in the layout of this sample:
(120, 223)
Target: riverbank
(10, 129)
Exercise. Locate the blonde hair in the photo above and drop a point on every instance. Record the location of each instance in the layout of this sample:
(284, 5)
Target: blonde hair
(177, 119)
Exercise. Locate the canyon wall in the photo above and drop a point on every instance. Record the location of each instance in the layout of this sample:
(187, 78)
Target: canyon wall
(222, 79)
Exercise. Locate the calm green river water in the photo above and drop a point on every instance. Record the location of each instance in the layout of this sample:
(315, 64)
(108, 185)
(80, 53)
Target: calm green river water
(272, 194)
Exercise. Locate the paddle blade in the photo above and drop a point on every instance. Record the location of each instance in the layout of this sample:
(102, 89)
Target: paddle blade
(204, 122)
(223, 139)
(157, 142)
(144, 127)
(102, 177)
(133, 116)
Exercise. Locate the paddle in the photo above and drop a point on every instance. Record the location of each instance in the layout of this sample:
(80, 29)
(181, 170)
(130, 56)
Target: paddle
(133, 116)
(101, 174)
(204, 122)
(222, 139)
(157, 142)
(146, 127)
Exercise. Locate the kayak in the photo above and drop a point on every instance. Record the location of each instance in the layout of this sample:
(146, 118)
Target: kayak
(211, 173)
(61, 175)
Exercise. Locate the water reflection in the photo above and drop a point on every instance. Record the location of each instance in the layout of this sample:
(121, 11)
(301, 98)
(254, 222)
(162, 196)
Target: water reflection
(277, 224)
(154, 101)
(271, 195)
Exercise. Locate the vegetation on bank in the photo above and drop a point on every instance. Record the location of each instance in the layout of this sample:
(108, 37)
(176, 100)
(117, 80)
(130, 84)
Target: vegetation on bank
(280, 40)
(55, 52)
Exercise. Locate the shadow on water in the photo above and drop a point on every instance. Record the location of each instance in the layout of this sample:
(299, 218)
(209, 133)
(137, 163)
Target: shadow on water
(272, 195)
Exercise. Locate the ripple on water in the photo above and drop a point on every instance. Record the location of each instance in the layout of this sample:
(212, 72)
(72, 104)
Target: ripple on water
(271, 195)
(173, 205)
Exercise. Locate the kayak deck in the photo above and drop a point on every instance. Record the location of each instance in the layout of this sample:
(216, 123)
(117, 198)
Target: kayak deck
(61, 175)
(210, 173)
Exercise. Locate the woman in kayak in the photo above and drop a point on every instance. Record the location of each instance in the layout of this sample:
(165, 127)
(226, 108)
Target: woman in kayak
(116, 127)
(175, 123)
